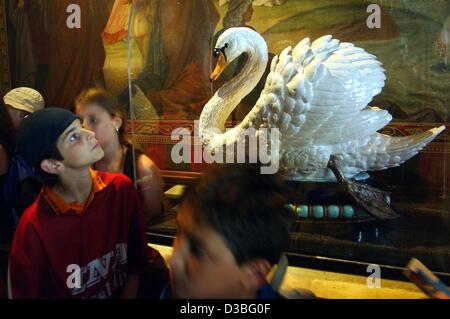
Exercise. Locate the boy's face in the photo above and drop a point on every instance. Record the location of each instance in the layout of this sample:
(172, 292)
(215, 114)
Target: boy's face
(78, 146)
(202, 266)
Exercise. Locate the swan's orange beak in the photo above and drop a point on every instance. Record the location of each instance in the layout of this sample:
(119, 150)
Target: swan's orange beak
(221, 65)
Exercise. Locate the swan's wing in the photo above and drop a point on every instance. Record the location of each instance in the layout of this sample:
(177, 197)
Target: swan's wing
(319, 93)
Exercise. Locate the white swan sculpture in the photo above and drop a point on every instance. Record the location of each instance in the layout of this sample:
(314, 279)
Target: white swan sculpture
(316, 95)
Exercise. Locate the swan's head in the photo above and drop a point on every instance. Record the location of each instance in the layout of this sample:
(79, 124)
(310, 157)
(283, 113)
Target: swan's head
(231, 44)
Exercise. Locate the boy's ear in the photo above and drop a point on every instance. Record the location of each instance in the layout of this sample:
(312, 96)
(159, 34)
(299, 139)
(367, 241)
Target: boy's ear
(52, 166)
(255, 273)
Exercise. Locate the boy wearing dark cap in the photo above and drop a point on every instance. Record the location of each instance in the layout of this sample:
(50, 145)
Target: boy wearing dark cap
(84, 235)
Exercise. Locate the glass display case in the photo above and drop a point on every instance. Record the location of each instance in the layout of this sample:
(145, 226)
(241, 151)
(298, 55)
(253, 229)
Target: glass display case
(170, 58)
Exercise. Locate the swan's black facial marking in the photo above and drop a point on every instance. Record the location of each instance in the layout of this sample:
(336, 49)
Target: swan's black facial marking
(216, 51)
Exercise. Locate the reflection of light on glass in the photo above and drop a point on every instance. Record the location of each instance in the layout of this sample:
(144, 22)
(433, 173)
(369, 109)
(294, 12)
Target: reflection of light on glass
(377, 234)
(360, 237)
(130, 93)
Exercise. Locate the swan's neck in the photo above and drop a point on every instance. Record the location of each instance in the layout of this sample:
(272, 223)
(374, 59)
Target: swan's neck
(225, 100)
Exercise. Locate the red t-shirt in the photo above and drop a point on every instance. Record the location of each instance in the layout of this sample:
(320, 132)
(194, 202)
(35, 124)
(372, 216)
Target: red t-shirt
(80, 253)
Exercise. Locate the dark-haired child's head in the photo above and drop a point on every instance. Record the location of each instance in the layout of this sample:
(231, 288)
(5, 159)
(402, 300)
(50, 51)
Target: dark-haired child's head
(102, 114)
(52, 141)
(233, 227)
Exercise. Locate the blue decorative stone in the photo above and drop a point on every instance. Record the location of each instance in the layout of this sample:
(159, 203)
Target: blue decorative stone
(349, 212)
(333, 211)
(317, 211)
(361, 176)
(302, 211)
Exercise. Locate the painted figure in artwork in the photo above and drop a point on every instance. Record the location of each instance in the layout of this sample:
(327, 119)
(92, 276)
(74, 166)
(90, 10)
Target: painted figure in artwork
(117, 27)
(176, 56)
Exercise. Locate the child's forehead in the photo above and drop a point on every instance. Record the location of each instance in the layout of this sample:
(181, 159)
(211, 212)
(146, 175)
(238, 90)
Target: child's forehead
(95, 109)
(76, 124)
(194, 226)
(92, 107)
(187, 220)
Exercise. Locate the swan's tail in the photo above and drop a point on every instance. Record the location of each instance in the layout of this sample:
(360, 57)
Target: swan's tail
(388, 151)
